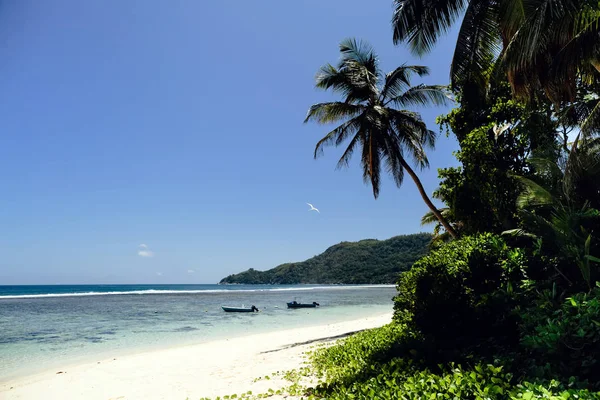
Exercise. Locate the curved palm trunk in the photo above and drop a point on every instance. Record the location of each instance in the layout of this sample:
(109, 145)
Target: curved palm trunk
(431, 206)
(596, 64)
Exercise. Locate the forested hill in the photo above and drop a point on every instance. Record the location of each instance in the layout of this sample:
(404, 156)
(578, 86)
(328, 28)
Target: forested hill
(366, 261)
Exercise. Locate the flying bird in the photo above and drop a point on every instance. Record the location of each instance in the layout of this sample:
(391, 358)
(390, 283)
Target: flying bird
(313, 208)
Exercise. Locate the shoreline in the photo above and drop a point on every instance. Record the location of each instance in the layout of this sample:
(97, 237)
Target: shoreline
(71, 360)
(210, 369)
(301, 287)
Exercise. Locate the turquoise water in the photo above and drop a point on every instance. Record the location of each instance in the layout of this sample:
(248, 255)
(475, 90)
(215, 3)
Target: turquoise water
(45, 327)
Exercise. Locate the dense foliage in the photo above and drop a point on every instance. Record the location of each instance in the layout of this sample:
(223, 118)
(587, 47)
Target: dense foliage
(497, 136)
(563, 341)
(471, 324)
(361, 368)
(507, 305)
(366, 261)
(472, 282)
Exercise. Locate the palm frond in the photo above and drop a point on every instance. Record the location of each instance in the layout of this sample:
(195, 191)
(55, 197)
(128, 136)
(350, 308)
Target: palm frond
(359, 51)
(591, 124)
(430, 218)
(352, 80)
(330, 77)
(533, 194)
(422, 22)
(359, 62)
(397, 81)
(338, 135)
(546, 169)
(393, 155)
(535, 32)
(371, 161)
(412, 142)
(518, 233)
(412, 135)
(324, 113)
(575, 114)
(548, 27)
(529, 56)
(478, 44)
(583, 47)
(413, 123)
(422, 95)
(344, 160)
(512, 13)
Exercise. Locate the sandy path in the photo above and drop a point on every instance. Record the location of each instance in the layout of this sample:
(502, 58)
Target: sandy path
(203, 370)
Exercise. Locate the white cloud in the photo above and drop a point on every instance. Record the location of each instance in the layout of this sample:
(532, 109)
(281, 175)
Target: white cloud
(191, 271)
(159, 273)
(145, 251)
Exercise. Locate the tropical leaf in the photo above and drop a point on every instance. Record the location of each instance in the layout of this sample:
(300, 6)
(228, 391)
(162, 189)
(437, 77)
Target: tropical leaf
(344, 160)
(592, 258)
(560, 212)
(512, 13)
(359, 51)
(324, 113)
(533, 194)
(421, 95)
(591, 124)
(430, 218)
(398, 81)
(371, 160)
(422, 22)
(583, 47)
(339, 134)
(330, 77)
(477, 46)
(518, 233)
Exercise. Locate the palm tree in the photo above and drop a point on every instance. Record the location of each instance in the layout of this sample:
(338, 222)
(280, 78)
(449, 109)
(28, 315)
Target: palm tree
(539, 42)
(560, 205)
(558, 41)
(480, 40)
(439, 235)
(372, 119)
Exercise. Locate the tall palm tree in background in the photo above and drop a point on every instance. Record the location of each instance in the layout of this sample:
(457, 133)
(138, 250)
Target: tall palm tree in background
(373, 119)
(481, 37)
(538, 43)
(558, 42)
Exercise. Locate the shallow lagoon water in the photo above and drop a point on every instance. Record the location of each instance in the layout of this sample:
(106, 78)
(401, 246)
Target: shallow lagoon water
(46, 328)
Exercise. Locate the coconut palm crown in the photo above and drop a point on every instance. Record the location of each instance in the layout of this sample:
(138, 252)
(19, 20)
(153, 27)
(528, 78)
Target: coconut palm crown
(539, 43)
(373, 117)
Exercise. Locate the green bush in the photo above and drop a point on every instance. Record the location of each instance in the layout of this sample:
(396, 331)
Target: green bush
(463, 294)
(358, 356)
(363, 367)
(564, 341)
(399, 380)
(550, 391)
(471, 323)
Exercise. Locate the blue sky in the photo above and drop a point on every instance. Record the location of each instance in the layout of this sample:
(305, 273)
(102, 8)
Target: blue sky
(178, 125)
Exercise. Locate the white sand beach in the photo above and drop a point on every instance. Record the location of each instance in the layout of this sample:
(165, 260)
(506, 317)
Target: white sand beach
(204, 370)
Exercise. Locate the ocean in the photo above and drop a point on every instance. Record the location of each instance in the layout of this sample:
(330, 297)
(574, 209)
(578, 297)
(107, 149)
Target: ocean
(43, 327)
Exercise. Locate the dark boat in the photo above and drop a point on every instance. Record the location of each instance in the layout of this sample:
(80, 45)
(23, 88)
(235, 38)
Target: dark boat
(295, 304)
(239, 309)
